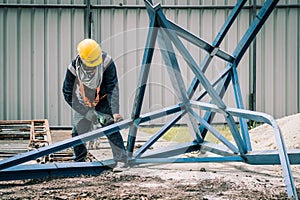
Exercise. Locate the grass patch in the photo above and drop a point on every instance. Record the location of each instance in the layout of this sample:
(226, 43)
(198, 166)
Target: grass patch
(182, 134)
(179, 134)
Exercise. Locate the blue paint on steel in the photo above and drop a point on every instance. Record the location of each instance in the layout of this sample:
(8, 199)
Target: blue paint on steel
(220, 137)
(262, 117)
(271, 157)
(218, 40)
(214, 82)
(241, 49)
(173, 150)
(235, 133)
(205, 83)
(157, 135)
(159, 113)
(189, 160)
(254, 28)
(190, 61)
(239, 102)
(146, 62)
(201, 43)
(217, 149)
(22, 172)
(176, 78)
(31, 155)
(201, 77)
(204, 66)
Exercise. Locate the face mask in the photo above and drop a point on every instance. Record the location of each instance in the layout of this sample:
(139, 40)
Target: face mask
(89, 76)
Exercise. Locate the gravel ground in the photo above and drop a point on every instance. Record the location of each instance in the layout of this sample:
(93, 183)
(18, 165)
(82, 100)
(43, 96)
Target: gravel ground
(174, 181)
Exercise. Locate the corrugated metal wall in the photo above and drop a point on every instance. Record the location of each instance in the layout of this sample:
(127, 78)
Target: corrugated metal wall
(38, 42)
(278, 63)
(36, 45)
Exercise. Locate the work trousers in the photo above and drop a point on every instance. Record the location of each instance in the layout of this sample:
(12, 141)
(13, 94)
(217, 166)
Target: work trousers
(115, 140)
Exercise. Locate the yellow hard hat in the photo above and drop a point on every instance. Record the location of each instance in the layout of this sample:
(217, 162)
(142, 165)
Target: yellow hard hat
(90, 52)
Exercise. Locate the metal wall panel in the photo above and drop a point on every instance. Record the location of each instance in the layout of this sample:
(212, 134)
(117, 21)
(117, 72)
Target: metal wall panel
(125, 30)
(278, 63)
(38, 43)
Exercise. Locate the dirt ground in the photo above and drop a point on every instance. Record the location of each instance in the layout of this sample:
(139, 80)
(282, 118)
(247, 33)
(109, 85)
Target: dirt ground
(174, 181)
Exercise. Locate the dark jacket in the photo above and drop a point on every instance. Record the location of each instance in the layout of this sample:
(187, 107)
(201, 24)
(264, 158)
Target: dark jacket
(109, 87)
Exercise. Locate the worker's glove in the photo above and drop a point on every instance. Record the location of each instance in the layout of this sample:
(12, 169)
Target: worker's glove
(105, 119)
(92, 116)
(117, 117)
(96, 126)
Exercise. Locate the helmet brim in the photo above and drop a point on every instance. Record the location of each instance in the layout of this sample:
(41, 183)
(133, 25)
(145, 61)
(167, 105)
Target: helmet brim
(95, 63)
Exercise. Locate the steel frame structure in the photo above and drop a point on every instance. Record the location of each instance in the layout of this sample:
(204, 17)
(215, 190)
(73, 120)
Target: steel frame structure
(168, 35)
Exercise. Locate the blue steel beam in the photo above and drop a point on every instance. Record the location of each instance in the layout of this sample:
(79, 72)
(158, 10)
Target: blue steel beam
(210, 49)
(157, 19)
(242, 46)
(204, 65)
(30, 171)
(247, 114)
(215, 133)
(217, 149)
(214, 82)
(255, 27)
(217, 41)
(271, 157)
(190, 61)
(204, 81)
(22, 172)
(158, 135)
(146, 61)
(262, 117)
(141, 87)
(175, 75)
(235, 132)
(254, 158)
(239, 103)
(187, 147)
(159, 113)
(31, 155)
(220, 36)
(189, 160)
(173, 150)
(172, 66)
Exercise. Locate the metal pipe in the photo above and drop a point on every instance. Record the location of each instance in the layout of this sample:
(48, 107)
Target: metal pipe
(298, 71)
(252, 74)
(87, 18)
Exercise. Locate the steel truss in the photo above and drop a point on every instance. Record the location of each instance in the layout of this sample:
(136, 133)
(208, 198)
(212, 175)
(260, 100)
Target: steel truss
(169, 35)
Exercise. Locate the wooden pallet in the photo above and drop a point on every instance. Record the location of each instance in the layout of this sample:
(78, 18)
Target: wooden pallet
(19, 136)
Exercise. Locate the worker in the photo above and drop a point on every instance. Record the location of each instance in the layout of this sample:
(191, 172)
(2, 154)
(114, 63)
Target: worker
(91, 88)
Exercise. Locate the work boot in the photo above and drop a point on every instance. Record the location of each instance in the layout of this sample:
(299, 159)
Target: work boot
(120, 167)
